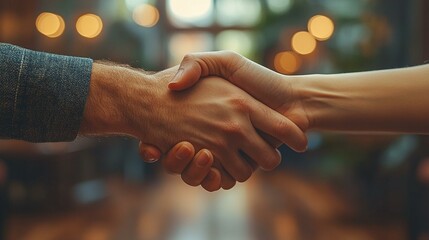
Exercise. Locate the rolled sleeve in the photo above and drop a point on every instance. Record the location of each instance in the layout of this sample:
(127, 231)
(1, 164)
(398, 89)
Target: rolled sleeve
(42, 95)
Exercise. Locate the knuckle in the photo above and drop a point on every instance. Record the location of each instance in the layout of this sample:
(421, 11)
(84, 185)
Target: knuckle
(283, 127)
(218, 143)
(233, 128)
(188, 57)
(240, 104)
(230, 54)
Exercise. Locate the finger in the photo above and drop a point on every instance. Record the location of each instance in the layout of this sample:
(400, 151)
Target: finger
(227, 181)
(198, 169)
(273, 123)
(258, 150)
(251, 162)
(149, 153)
(213, 181)
(198, 65)
(178, 158)
(269, 139)
(188, 74)
(237, 167)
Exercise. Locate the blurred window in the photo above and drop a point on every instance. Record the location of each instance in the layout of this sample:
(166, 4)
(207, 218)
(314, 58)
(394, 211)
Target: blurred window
(188, 13)
(182, 43)
(238, 12)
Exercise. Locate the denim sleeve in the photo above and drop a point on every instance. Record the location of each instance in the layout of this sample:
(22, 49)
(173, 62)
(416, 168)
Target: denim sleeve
(42, 95)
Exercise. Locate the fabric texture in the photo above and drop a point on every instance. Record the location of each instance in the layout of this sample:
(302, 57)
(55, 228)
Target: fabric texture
(42, 95)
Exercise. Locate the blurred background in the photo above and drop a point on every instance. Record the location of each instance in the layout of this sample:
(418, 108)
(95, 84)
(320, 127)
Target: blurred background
(345, 187)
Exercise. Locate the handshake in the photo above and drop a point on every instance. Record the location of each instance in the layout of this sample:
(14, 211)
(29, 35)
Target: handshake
(218, 117)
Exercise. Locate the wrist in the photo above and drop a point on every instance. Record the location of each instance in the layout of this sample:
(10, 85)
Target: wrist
(307, 95)
(104, 106)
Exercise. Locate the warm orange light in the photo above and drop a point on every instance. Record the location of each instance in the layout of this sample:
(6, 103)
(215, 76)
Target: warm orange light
(89, 25)
(321, 27)
(50, 24)
(146, 15)
(287, 62)
(303, 43)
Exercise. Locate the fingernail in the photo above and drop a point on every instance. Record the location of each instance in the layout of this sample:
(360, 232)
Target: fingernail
(183, 153)
(203, 159)
(177, 76)
(149, 157)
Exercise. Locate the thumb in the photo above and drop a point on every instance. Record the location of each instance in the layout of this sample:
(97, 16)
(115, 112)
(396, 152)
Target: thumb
(188, 74)
(195, 66)
(149, 153)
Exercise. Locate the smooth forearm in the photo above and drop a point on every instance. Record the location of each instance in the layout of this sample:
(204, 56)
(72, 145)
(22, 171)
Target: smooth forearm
(376, 101)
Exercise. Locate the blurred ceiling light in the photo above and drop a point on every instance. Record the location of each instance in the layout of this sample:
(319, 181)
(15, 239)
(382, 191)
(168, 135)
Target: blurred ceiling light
(50, 24)
(146, 15)
(321, 27)
(89, 25)
(287, 62)
(303, 42)
(190, 11)
(279, 6)
(238, 41)
(238, 12)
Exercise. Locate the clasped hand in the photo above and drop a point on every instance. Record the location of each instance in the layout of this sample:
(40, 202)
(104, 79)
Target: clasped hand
(241, 125)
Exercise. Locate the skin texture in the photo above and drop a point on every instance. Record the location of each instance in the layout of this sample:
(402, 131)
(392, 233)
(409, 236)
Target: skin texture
(386, 101)
(220, 120)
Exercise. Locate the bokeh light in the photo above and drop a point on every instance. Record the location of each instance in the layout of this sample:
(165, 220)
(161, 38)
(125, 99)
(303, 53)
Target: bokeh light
(195, 12)
(50, 24)
(287, 62)
(146, 15)
(89, 25)
(303, 43)
(321, 27)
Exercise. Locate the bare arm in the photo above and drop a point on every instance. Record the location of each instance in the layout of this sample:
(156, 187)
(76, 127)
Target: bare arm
(393, 100)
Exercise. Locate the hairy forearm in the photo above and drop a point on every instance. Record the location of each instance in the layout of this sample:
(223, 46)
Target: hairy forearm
(375, 101)
(107, 107)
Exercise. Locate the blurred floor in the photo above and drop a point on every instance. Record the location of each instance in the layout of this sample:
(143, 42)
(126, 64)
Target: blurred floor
(277, 205)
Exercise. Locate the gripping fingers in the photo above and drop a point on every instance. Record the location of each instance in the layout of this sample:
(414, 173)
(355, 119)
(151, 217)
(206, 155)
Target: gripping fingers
(178, 158)
(280, 127)
(213, 180)
(198, 169)
(259, 151)
(227, 181)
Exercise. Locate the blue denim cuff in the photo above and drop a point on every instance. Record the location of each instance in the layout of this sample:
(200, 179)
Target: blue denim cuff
(42, 95)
